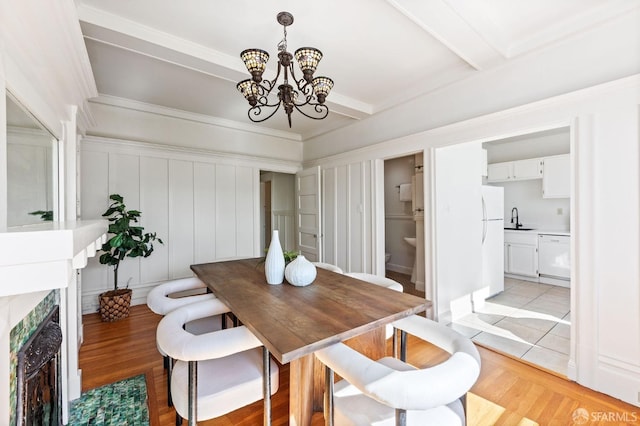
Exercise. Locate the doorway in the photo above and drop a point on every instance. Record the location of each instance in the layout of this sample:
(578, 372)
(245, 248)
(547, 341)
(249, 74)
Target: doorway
(277, 209)
(529, 317)
(404, 222)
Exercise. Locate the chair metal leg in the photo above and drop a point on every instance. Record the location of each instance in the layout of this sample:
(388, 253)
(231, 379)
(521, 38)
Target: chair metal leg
(394, 342)
(169, 373)
(193, 392)
(266, 385)
(403, 346)
(463, 399)
(401, 417)
(328, 396)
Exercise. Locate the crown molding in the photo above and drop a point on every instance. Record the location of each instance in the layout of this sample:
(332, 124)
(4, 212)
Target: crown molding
(191, 116)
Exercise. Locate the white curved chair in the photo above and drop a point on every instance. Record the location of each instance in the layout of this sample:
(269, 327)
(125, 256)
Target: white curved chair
(382, 282)
(377, 280)
(375, 392)
(216, 372)
(328, 267)
(160, 302)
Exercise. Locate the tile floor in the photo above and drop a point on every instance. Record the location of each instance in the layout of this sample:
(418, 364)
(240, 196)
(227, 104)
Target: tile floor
(528, 320)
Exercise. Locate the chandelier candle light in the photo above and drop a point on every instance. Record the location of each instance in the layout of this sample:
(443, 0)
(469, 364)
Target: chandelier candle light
(310, 92)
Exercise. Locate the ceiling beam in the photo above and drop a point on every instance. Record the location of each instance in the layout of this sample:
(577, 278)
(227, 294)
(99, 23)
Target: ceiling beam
(443, 23)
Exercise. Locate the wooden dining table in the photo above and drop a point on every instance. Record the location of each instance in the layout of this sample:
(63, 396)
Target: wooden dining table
(293, 322)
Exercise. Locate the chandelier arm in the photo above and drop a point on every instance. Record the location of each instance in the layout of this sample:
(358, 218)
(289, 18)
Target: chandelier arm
(263, 100)
(321, 109)
(257, 110)
(306, 92)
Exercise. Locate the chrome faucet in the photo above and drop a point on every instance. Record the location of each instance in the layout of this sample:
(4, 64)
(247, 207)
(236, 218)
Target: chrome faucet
(518, 224)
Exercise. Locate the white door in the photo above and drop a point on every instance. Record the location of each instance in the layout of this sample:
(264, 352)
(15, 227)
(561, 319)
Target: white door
(308, 214)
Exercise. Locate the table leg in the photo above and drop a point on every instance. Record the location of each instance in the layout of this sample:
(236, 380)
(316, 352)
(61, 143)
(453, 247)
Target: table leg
(301, 383)
(306, 377)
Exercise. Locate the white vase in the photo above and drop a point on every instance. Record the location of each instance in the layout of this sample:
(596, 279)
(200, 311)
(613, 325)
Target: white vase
(274, 263)
(300, 272)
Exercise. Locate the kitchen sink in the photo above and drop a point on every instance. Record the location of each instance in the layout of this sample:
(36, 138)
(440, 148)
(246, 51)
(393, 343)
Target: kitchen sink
(518, 229)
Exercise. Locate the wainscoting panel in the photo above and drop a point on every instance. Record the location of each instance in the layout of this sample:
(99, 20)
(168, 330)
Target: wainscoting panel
(154, 203)
(225, 211)
(181, 218)
(346, 214)
(329, 229)
(246, 211)
(204, 206)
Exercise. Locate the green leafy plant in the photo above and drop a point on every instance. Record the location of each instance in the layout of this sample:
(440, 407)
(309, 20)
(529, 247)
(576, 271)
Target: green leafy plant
(289, 256)
(127, 240)
(46, 215)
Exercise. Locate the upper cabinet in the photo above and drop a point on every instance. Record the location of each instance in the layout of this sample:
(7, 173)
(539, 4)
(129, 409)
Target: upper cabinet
(556, 181)
(553, 170)
(515, 170)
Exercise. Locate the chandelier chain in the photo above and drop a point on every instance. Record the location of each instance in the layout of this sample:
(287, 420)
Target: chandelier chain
(282, 46)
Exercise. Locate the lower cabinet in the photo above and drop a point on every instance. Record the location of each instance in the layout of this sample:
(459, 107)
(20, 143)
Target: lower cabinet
(521, 254)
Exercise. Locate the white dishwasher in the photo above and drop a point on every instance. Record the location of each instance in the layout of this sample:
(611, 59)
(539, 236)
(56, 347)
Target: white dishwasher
(554, 260)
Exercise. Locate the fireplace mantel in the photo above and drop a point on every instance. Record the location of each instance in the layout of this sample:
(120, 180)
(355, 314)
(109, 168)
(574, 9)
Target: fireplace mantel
(45, 256)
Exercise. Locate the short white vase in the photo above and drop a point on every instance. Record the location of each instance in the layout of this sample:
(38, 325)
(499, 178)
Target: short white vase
(300, 272)
(274, 263)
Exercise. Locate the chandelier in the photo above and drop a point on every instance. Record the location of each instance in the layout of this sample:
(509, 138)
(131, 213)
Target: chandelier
(309, 93)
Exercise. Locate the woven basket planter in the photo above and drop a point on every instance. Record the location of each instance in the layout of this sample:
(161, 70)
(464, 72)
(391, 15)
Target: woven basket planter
(115, 304)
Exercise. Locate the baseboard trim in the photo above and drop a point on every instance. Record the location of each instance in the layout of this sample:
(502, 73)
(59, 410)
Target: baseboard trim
(399, 268)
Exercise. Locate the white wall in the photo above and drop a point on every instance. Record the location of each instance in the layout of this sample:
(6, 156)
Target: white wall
(205, 207)
(399, 221)
(547, 214)
(185, 130)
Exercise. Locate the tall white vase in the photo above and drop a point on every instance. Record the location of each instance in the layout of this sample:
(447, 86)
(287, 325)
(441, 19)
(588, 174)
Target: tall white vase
(274, 263)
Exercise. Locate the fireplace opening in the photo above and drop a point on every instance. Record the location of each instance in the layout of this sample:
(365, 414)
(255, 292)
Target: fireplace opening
(38, 399)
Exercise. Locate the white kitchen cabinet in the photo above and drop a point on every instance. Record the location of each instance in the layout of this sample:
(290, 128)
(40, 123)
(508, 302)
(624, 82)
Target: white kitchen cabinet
(515, 170)
(556, 181)
(499, 172)
(521, 253)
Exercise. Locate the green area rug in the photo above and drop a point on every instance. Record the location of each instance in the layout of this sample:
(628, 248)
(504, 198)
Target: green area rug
(120, 403)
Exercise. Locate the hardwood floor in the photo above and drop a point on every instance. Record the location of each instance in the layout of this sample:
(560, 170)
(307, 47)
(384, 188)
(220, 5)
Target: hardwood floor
(114, 351)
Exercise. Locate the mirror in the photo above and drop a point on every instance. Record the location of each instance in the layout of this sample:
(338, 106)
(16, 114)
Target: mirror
(31, 168)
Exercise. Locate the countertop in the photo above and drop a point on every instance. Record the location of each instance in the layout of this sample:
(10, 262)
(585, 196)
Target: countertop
(540, 231)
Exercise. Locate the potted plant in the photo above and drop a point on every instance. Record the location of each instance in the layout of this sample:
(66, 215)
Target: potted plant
(128, 240)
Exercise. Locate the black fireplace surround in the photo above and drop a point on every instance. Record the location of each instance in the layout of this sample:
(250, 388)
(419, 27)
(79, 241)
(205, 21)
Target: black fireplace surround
(38, 399)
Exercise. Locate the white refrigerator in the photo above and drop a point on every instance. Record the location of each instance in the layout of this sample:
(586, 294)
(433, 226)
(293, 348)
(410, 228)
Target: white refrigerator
(492, 239)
